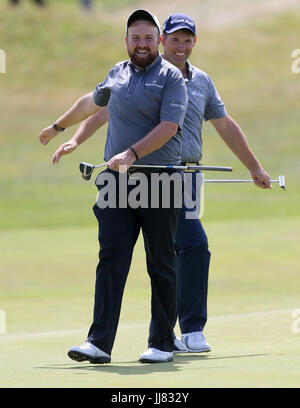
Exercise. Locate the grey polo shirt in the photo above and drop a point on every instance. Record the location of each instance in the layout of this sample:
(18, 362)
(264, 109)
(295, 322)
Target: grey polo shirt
(205, 103)
(137, 102)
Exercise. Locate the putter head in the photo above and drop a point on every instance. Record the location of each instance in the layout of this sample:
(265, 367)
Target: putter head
(86, 170)
(282, 182)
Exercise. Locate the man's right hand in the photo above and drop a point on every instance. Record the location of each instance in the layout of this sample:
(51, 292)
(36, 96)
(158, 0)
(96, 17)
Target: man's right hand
(47, 134)
(63, 149)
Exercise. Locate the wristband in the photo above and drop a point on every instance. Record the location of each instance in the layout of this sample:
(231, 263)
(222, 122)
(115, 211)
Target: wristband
(134, 152)
(58, 128)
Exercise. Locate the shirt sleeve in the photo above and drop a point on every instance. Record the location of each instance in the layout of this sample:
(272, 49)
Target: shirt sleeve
(101, 94)
(174, 100)
(102, 91)
(215, 107)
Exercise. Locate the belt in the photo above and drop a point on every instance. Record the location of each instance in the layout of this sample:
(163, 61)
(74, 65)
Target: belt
(190, 163)
(149, 170)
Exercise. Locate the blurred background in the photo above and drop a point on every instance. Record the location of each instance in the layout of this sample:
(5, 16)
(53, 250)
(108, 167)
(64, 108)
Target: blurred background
(59, 51)
(56, 53)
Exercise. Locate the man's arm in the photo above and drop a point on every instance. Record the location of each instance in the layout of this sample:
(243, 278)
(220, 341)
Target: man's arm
(86, 129)
(235, 139)
(82, 108)
(151, 142)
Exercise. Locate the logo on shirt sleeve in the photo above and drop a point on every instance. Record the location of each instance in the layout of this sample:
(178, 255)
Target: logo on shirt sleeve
(177, 104)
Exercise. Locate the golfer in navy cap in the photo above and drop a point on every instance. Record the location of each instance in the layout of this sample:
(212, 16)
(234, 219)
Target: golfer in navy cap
(179, 38)
(204, 103)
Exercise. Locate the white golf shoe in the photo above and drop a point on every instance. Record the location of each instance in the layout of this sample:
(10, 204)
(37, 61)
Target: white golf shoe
(88, 352)
(195, 342)
(179, 346)
(153, 355)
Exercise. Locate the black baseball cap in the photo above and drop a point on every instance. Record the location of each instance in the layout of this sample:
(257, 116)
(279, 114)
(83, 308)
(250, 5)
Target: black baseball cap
(177, 22)
(143, 15)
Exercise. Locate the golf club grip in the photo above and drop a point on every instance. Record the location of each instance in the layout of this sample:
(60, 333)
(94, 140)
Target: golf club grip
(209, 168)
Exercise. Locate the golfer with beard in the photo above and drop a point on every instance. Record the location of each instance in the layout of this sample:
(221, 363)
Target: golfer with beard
(147, 99)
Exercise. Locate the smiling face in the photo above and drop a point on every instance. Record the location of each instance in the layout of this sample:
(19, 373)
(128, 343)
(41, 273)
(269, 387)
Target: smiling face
(178, 47)
(142, 43)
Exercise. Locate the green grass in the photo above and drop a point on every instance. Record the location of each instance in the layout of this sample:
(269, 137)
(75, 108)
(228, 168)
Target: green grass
(48, 234)
(47, 293)
(243, 358)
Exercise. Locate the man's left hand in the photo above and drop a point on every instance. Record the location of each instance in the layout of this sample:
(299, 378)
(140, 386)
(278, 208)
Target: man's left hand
(261, 178)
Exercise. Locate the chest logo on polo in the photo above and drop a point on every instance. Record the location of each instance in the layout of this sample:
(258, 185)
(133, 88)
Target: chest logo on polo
(153, 84)
(197, 93)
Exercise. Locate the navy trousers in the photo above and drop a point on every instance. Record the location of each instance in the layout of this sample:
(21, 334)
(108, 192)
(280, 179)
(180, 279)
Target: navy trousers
(193, 258)
(118, 232)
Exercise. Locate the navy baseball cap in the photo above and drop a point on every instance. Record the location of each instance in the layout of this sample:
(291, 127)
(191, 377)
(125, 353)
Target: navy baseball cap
(143, 15)
(177, 22)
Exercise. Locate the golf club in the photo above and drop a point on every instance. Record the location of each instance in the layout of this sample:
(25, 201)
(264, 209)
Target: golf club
(281, 181)
(87, 169)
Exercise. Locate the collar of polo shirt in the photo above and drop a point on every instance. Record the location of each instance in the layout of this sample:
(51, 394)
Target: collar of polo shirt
(189, 70)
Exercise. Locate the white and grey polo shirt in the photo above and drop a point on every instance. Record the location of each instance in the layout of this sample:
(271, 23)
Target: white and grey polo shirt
(137, 102)
(204, 102)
